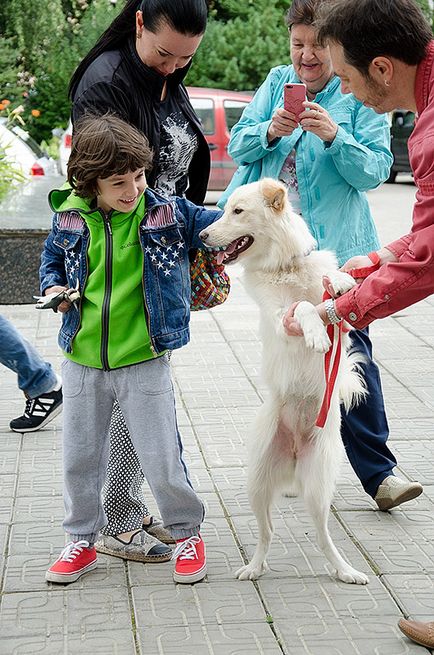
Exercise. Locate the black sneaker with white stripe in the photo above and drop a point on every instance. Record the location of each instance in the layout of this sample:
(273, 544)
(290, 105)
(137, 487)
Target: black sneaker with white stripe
(38, 412)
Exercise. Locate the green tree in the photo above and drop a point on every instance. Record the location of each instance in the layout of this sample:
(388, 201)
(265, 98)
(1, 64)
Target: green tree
(237, 52)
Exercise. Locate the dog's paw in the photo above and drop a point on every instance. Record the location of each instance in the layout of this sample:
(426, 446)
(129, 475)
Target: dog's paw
(341, 282)
(351, 576)
(250, 572)
(314, 331)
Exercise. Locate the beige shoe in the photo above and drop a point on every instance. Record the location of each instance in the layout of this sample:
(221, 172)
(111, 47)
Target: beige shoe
(157, 530)
(421, 633)
(142, 547)
(393, 491)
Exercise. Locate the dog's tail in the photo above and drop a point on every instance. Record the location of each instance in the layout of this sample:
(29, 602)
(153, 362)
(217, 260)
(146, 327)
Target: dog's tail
(352, 388)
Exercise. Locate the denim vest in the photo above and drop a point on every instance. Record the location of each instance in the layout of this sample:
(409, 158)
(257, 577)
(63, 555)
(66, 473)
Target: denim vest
(168, 230)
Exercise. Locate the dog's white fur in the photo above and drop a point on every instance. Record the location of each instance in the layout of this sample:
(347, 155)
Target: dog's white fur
(287, 450)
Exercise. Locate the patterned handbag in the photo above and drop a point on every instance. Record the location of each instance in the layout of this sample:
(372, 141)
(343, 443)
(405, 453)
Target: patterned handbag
(210, 283)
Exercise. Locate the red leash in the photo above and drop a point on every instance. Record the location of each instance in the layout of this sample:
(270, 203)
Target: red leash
(331, 369)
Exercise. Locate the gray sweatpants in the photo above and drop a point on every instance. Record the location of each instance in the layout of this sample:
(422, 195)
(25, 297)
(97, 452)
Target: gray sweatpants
(145, 395)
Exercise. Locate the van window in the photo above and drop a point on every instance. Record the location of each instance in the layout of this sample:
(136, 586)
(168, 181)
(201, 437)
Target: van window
(233, 111)
(204, 108)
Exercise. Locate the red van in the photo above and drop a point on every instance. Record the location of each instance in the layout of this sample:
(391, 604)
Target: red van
(218, 111)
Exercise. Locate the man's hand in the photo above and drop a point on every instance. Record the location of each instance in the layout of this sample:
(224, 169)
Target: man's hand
(290, 324)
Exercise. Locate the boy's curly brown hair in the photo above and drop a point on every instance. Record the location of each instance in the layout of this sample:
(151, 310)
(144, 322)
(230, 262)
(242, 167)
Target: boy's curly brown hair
(103, 146)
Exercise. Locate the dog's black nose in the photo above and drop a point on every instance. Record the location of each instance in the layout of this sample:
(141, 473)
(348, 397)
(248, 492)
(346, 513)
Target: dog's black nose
(203, 236)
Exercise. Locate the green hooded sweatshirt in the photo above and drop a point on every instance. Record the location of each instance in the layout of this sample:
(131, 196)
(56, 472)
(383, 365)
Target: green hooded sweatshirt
(113, 330)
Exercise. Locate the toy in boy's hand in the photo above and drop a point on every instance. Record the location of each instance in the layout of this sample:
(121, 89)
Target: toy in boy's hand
(53, 300)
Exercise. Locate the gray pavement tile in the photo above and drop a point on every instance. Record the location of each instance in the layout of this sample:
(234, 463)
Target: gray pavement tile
(8, 461)
(345, 636)
(9, 441)
(40, 538)
(7, 486)
(204, 639)
(41, 481)
(44, 509)
(412, 373)
(200, 478)
(211, 416)
(109, 642)
(416, 459)
(408, 406)
(397, 542)
(414, 593)
(292, 598)
(84, 611)
(224, 452)
(220, 397)
(218, 603)
(411, 429)
(4, 533)
(232, 432)
(426, 395)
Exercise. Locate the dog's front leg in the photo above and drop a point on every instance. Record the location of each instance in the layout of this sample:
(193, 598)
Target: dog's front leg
(314, 331)
(340, 281)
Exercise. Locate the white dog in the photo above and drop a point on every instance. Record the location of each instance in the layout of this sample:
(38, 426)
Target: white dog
(260, 230)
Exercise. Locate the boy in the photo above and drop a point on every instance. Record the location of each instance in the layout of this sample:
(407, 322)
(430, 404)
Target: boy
(126, 250)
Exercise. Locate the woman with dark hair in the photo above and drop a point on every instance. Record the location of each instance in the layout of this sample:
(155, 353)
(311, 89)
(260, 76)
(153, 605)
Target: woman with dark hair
(136, 70)
(335, 151)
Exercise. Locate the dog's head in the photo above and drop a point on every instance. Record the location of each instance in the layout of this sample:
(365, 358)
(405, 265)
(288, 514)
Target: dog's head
(258, 221)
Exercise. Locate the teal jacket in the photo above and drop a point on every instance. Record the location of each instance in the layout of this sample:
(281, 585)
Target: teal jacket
(332, 178)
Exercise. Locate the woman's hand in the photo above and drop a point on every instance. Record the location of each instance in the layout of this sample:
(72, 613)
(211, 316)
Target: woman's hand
(283, 123)
(65, 305)
(318, 121)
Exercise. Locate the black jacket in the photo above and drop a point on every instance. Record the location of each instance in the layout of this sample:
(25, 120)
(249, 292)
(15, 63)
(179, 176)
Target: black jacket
(120, 82)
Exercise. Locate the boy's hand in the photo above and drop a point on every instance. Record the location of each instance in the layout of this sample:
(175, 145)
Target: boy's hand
(51, 297)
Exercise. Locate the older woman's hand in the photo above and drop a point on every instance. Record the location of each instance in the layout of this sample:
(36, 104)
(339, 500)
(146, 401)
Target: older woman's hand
(283, 123)
(318, 121)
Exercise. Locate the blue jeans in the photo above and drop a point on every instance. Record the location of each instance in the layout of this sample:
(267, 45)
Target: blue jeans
(365, 429)
(35, 376)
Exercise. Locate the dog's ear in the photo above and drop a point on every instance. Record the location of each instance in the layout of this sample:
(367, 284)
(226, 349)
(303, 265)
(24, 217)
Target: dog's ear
(274, 194)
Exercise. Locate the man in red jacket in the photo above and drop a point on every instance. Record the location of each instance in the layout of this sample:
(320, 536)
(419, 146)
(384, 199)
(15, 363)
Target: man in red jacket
(383, 51)
(384, 54)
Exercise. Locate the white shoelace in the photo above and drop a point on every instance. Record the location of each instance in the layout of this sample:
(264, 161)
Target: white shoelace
(186, 549)
(73, 550)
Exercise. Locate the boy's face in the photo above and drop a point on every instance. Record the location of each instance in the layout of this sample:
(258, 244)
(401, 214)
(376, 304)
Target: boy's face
(121, 192)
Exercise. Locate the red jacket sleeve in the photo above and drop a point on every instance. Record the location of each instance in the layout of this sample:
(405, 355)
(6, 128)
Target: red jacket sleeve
(399, 284)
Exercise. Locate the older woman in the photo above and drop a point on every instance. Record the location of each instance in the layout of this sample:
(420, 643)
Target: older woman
(337, 151)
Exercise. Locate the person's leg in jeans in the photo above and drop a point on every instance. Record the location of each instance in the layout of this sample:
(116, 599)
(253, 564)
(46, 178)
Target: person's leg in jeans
(365, 432)
(36, 378)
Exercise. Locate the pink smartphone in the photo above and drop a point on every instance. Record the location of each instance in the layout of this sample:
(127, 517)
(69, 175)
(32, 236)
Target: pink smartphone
(293, 97)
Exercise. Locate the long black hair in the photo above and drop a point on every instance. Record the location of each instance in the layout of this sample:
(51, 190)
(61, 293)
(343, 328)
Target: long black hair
(187, 17)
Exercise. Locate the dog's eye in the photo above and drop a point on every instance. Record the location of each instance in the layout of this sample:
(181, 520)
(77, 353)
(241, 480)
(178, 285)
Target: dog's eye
(237, 210)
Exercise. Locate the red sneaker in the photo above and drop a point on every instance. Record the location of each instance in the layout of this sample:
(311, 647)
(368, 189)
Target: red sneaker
(74, 560)
(190, 560)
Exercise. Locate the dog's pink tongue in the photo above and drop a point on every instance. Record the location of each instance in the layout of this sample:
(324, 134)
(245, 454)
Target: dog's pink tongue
(221, 255)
